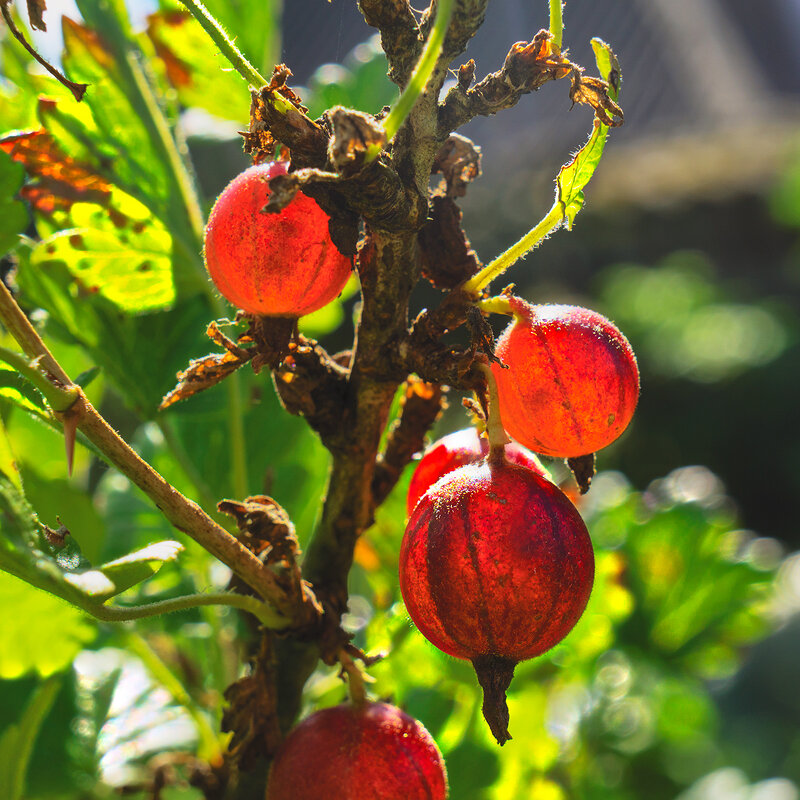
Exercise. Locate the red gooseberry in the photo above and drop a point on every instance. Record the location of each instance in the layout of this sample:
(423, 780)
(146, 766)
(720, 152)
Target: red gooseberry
(496, 566)
(455, 450)
(571, 383)
(278, 265)
(371, 751)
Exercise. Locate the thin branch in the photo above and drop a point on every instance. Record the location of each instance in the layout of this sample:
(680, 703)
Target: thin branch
(58, 398)
(183, 513)
(527, 67)
(78, 89)
(265, 613)
(557, 21)
(421, 406)
(532, 239)
(225, 44)
(418, 81)
(400, 37)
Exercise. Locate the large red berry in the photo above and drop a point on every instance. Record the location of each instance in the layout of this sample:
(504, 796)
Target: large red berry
(496, 566)
(279, 265)
(455, 450)
(370, 752)
(572, 381)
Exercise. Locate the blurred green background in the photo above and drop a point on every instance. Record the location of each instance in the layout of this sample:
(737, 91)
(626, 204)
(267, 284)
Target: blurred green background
(681, 678)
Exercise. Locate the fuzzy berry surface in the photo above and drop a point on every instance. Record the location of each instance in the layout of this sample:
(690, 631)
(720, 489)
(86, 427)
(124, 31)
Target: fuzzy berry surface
(370, 752)
(572, 381)
(495, 561)
(282, 265)
(456, 450)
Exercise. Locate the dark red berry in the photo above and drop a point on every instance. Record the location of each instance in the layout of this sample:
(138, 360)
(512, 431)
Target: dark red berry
(455, 450)
(572, 381)
(279, 265)
(370, 752)
(496, 566)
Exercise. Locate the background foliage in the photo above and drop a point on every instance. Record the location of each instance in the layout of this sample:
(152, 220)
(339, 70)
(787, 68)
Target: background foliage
(643, 699)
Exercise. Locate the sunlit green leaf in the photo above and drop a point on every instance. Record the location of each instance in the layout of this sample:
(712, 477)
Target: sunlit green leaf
(573, 177)
(128, 263)
(201, 76)
(43, 635)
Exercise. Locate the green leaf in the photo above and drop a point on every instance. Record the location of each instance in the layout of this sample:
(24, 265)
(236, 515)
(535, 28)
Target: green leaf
(17, 740)
(118, 128)
(113, 339)
(608, 65)
(43, 635)
(139, 566)
(201, 76)
(13, 214)
(129, 264)
(574, 176)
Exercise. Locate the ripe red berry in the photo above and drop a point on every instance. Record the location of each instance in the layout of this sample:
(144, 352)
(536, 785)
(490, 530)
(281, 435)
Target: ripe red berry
(370, 752)
(496, 566)
(455, 450)
(572, 381)
(278, 265)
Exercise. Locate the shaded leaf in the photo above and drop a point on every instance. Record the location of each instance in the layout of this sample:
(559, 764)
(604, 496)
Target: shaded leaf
(17, 740)
(13, 214)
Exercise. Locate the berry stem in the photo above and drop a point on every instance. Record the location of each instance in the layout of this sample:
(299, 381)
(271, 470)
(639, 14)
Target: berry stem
(265, 613)
(226, 46)
(355, 678)
(498, 439)
(518, 250)
(556, 21)
(496, 305)
(422, 72)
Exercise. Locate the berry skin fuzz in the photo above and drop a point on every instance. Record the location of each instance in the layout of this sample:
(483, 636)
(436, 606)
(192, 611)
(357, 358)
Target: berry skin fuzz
(372, 751)
(277, 265)
(571, 383)
(496, 567)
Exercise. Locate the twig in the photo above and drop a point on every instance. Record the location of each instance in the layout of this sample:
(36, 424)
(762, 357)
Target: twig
(78, 89)
(183, 513)
(225, 44)
(422, 72)
(400, 38)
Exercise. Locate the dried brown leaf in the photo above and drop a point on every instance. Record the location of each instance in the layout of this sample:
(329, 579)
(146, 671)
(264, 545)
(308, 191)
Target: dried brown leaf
(594, 92)
(36, 9)
(58, 179)
(459, 162)
(355, 136)
(203, 373)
